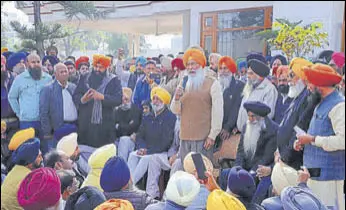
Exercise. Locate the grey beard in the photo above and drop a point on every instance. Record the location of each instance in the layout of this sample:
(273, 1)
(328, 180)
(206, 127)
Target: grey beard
(251, 137)
(195, 83)
(225, 81)
(296, 89)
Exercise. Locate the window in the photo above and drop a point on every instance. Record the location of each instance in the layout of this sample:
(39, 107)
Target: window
(233, 32)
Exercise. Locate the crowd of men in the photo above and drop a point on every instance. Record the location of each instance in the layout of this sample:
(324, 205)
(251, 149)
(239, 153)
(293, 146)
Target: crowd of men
(113, 133)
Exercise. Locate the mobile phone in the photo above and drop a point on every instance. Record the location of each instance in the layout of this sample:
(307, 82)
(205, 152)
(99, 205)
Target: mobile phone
(314, 172)
(200, 167)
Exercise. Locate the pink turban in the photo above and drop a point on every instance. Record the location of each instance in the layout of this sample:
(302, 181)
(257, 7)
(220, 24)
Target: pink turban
(39, 190)
(339, 59)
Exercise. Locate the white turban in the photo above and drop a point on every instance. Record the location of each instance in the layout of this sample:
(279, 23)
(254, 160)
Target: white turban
(190, 167)
(182, 188)
(283, 176)
(68, 144)
(167, 62)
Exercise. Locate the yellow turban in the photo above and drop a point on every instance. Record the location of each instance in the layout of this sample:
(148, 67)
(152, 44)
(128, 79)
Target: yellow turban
(220, 200)
(127, 92)
(196, 55)
(3, 126)
(20, 137)
(101, 59)
(132, 68)
(115, 204)
(68, 144)
(297, 65)
(100, 156)
(189, 165)
(4, 49)
(162, 93)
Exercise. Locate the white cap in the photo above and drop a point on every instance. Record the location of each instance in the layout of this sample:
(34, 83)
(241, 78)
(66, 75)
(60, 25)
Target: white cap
(68, 144)
(182, 188)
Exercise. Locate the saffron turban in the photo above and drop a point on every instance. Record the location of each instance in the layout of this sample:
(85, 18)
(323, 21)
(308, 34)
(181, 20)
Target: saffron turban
(52, 60)
(15, 58)
(297, 65)
(83, 60)
(141, 60)
(115, 204)
(182, 188)
(281, 58)
(258, 108)
(162, 94)
(101, 155)
(196, 55)
(179, 63)
(229, 62)
(259, 67)
(4, 49)
(255, 56)
(190, 167)
(220, 200)
(20, 137)
(3, 60)
(293, 198)
(322, 75)
(282, 70)
(40, 189)
(115, 175)
(283, 176)
(68, 144)
(64, 130)
(127, 92)
(241, 182)
(27, 152)
(103, 60)
(339, 59)
(85, 198)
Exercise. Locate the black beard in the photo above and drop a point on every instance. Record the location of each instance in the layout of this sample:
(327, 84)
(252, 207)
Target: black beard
(73, 78)
(4, 76)
(75, 158)
(35, 73)
(95, 79)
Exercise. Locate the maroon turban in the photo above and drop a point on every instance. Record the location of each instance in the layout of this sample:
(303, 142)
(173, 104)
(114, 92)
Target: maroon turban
(39, 190)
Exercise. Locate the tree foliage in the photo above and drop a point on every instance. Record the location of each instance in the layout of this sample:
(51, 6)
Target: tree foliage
(295, 40)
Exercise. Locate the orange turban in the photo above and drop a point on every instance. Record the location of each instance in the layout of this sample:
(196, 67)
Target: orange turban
(162, 93)
(297, 65)
(229, 62)
(115, 204)
(20, 137)
(282, 70)
(196, 55)
(4, 49)
(322, 75)
(101, 59)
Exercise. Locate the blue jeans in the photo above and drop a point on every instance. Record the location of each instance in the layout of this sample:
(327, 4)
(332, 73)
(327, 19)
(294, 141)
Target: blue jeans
(38, 133)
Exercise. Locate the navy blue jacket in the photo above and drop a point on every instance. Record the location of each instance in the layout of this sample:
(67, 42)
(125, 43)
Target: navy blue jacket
(232, 97)
(156, 134)
(51, 106)
(6, 109)
(266, 146)
(281, 108)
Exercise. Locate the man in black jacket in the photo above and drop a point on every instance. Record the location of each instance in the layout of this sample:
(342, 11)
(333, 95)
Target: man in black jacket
(127, 119)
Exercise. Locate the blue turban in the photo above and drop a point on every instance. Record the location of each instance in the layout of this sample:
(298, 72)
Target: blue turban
(281, 58)
(241, 183)
(242, 64)
(15, 58)
(273, 203)
(7, 54)
(115, 175)
(300, 198)
(268, 58)
(255, 56)
(257, 108)
(27, 152)
(141, 60)
(52, 59)
(64, 130)
(169, 205)
(85, 198)
(68, 62)
(259, 67)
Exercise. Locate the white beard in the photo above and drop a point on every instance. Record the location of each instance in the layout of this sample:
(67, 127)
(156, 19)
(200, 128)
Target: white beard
(225, 81)
(195, 82)
(296, 89)
(251, 137)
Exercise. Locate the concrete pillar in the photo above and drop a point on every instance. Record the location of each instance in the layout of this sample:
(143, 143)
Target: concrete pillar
(130, 44)
(136, 44)
(186, 30)
(195, 29)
